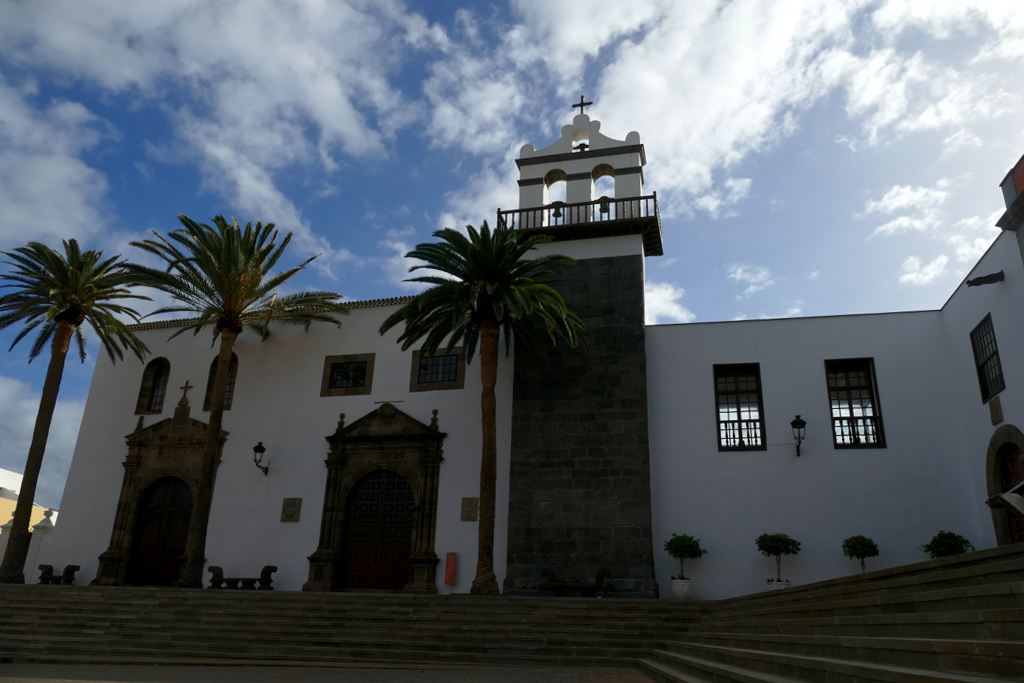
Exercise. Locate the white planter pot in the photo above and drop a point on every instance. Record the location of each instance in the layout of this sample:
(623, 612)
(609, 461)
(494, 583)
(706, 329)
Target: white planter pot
(777, 585)
(682, 589)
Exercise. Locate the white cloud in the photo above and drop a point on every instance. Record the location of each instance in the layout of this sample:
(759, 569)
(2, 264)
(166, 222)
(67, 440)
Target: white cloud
(959, 140)
(493, 187)
(717, 202)
(46, 190)
(814, 275)
(661, 304)
(794, 310)
(19, 404)
(918, 274)
(323, 89)
(757, 277)
(923, 203)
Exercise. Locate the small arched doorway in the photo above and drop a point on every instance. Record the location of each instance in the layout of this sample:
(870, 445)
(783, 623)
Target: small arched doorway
(1011, 473)
(162, 519)
(377, 538)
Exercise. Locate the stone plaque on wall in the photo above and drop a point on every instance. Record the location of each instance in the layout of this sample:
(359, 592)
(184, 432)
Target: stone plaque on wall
(995, 409)
(291, 509)
(470, 506)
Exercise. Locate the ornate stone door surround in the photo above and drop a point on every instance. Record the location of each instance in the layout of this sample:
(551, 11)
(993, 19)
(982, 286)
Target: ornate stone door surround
(171, 447)
(386, 438)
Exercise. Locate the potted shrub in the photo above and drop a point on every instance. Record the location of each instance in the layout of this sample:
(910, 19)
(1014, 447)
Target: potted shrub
(858, 547)
(946, 544)
(777, 545)
(683, 548)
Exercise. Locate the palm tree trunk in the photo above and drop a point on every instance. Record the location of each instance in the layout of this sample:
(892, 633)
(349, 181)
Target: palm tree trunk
(778, 568)
(485, 582)
(13, 568)
(192, 576)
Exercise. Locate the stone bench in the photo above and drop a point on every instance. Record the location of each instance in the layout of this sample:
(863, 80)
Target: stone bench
(576, 588)
(67, 578)
(218, 581)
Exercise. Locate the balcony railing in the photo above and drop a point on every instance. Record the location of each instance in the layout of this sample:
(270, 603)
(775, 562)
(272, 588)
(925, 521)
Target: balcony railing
(598, 211)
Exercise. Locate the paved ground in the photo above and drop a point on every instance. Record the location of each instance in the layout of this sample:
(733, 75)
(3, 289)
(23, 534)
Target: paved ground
(135, 673)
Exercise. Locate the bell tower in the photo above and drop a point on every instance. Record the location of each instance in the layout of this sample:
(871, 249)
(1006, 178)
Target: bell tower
(579, 484)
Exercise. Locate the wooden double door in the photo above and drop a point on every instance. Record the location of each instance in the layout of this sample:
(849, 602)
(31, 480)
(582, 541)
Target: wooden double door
(377, 537)
(161, 532)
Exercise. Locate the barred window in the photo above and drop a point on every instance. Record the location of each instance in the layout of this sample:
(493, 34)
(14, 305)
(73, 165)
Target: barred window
(856, 416)
(229, 390)
(153, 387)
(986, 359)
(438, 369)
(446, 370)
(347, 375)
(740, 416)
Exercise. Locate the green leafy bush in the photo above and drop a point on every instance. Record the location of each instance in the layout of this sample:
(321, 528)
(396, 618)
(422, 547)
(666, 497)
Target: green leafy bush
(859, 547)
(684, 547)
(777, 545)
(946, 544)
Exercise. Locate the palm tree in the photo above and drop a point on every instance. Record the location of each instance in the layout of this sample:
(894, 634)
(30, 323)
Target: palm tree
(221, 275)
(55, 293)
(485, 287)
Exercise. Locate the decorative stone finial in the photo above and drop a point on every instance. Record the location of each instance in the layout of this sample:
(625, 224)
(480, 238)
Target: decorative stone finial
(140, 423)
(48, 513)
(341, 423)
(433, 421)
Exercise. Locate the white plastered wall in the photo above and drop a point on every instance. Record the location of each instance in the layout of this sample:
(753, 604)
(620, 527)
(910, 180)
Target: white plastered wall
(277, 401)
(929, 477)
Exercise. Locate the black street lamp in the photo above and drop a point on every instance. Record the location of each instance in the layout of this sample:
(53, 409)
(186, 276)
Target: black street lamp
(259, 449)
(799, 426)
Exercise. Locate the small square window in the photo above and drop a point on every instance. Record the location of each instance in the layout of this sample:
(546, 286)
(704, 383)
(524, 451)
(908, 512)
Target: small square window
(446, 369)
(349, 375)
(438, 369)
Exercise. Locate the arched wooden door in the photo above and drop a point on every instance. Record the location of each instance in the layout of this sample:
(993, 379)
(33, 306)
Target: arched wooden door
(1011, 473)
(378, 533)
(161, 531)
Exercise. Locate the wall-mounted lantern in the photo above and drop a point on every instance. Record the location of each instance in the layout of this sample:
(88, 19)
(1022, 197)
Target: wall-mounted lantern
(799, 426)
(259, 449)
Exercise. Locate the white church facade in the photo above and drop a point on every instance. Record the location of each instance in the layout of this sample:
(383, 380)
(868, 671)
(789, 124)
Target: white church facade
(914, 424)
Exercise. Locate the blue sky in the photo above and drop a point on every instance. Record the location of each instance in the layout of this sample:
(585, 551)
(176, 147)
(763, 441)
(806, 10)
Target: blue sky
(811, 157)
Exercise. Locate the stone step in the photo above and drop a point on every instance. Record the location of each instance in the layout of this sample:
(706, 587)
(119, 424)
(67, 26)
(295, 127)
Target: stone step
(990, 596)
(693, 670)
(301, 637)
(996, 565)
(698, 657)
(996, 624)
(988, 658)
(85, 649)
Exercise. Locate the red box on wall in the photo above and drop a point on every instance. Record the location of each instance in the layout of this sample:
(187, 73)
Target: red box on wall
(449, 569)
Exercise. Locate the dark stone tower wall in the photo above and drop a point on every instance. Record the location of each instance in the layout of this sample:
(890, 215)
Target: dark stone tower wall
(580, 494)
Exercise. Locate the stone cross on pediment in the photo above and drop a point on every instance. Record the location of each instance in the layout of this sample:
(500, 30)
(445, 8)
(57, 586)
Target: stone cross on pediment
(581, 104)
(184, 396)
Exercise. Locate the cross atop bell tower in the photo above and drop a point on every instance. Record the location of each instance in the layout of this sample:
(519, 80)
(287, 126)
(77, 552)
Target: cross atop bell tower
(580, 157)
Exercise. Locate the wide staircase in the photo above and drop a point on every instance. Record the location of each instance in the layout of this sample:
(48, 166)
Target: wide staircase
(69, 624)
(958, 619)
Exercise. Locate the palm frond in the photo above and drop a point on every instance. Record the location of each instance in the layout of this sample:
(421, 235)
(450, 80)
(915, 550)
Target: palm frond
(49, 287)
(221, 275)
(483, 276)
